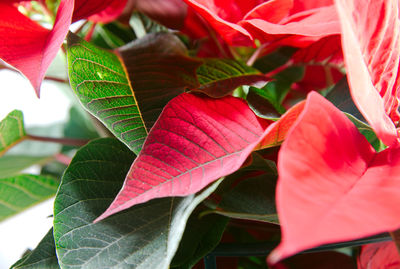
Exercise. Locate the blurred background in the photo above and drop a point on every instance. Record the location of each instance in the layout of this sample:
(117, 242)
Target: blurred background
(44, 116)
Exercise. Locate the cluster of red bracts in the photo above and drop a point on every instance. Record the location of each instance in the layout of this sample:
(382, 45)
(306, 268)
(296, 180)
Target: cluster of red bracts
(332, 184)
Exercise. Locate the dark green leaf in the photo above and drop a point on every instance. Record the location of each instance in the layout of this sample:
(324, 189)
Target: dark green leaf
(200, 237)
(157, 68)
(42, 257)
(219, 77)
(78, 126)
(249, 193)
(144, 236)
(274, 60)
(12, 130)
(112, 35)
(265, 102)
(23, 191)
(340, 96)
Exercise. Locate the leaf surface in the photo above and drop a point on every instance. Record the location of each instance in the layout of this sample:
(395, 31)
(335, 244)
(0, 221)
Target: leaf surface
(11, 165)
(195, 141)
(379, 255)
(12, 130)
(330, 180)
(43, 256)
(120, 88)
(145, 236)
(202, 234)
(29, 47)
(372, 55)
(219, 77)
(20, 192)
(249, 193)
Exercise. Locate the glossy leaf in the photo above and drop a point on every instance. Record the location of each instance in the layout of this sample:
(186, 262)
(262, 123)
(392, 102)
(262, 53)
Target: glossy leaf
(20, 192)
(219, 77)
(145, 236)
(43, 256)
(372, 52)
(12, 130)
(326, 159)
(379, 255)
(195, 141)
(11, 165)
(128, 106)
(201, 236)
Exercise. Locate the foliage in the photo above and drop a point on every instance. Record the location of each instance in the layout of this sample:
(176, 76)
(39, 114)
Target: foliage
(221, 122)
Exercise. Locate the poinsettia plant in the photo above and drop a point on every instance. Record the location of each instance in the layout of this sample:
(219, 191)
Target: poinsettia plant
(211, 128)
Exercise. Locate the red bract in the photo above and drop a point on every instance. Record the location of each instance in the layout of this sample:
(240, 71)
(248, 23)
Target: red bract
(371, 46)
(332, 184)
(289, 22)
(195, 141)
(379, 255)
(29, 47)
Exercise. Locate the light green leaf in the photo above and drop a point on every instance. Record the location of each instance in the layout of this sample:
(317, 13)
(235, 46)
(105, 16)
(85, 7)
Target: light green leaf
(127, 89)
(23, 191)
(12, 130)
(42, 257)
(11, 165)
(219, 77)
(144, 236)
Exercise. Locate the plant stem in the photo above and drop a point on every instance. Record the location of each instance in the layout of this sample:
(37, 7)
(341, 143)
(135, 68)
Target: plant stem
(64, 141)
(61, 158)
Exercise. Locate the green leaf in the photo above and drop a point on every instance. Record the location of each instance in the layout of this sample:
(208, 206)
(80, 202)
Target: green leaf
(11, 165)
(127, 89)
(219, 77)
(112, 35)
(78, 126)
(201, 236)
(12, 130)
(42, 257)
(275, 59)
(144, 236)
(249, 193)
(23, 191)
(266, 101)
(340, 96)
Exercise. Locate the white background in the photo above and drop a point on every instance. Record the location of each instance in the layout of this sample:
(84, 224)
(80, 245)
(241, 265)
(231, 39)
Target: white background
(26, 229)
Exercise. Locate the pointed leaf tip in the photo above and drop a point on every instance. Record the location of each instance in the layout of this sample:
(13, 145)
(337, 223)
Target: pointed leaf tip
(323, 148)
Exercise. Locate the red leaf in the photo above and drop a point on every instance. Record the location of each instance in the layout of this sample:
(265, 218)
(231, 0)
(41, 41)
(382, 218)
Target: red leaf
(170, 13)
(379, 255)
(29, 47)
(332, 185)
(223, 17)
(312, 23)
(371, 46)
(317, 77)
(278, 131)
(110, 10)
(98, 10)
(195, 141)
